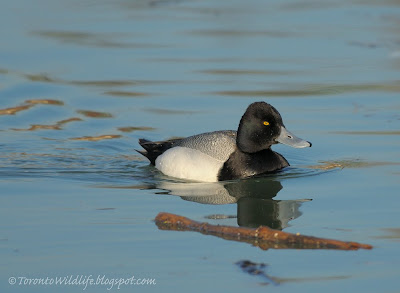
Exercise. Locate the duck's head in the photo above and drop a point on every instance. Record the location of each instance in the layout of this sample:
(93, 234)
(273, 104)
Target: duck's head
(261, 126)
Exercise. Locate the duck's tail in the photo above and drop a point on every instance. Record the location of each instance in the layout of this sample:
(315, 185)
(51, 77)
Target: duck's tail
(155, 148)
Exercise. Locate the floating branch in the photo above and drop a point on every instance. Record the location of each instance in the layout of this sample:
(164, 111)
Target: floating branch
(262, 237)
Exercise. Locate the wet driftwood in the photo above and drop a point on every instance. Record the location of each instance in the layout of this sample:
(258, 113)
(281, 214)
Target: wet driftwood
(262, 237)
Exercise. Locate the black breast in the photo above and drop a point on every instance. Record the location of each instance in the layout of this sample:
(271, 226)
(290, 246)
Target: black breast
(243, 165)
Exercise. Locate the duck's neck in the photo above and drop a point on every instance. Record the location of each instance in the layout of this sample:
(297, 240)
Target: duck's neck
(243, 165)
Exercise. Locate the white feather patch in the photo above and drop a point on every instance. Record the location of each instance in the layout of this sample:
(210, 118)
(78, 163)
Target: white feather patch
(186, 163)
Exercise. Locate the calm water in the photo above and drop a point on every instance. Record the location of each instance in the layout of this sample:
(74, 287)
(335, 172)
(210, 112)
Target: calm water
(81, 81)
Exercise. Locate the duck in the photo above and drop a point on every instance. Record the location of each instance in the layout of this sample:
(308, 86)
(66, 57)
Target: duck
(226, 154)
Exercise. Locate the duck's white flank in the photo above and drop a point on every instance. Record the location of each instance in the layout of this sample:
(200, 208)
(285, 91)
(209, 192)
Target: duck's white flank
(186, 163)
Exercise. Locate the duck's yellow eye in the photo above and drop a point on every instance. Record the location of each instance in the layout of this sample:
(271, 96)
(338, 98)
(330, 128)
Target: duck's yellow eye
(266, 123)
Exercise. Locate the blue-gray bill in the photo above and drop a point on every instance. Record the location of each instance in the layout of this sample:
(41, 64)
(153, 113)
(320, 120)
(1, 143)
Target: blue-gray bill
(286, 137)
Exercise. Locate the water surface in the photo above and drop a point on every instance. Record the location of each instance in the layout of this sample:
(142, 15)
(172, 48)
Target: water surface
(82, 81)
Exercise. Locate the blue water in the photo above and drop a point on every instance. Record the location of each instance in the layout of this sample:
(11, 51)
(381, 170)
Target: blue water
(77, 200)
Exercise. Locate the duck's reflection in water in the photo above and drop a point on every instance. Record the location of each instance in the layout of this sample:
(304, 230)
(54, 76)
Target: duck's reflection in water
(254, 198)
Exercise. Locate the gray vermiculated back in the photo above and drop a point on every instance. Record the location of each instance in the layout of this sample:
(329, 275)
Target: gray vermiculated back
(218, 144)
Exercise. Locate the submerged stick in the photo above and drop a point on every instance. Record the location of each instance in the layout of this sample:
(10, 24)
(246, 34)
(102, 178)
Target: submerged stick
(262, 237)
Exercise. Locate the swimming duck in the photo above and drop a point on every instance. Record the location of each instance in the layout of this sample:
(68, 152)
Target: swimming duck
(226, 154)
